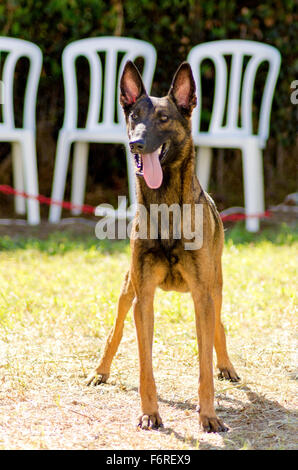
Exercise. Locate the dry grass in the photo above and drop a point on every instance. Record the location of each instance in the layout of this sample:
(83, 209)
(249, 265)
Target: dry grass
(57, 301)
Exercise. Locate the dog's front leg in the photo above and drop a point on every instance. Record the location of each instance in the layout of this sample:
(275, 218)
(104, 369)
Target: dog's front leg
(144, 321)
(143, 315)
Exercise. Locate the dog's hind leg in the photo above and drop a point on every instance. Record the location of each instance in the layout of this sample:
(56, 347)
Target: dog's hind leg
(226, 369)
(102, 371)
(205, 325)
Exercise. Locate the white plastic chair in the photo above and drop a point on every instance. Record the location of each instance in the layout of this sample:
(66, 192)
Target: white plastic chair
(106, 131)
(22, 139)
(231, 135)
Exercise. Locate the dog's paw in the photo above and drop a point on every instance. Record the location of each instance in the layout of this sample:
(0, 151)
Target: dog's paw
(152, 421)
(95, 379)
(228, 373)
(212, 424)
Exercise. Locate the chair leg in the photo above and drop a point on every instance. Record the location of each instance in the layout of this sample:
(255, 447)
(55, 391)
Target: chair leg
(253, 184)
(18, 177)
(203, 168)
(31, 178)
(79, 175)
(60, 173)
(131, 176)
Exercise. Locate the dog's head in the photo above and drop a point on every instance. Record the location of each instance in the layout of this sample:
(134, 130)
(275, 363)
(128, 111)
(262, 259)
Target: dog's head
(157, 127)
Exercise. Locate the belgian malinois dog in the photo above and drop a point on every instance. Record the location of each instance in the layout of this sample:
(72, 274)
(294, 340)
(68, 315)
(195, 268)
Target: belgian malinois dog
(159, 132)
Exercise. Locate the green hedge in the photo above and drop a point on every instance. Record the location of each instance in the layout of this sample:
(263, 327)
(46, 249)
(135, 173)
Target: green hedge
(173, 27)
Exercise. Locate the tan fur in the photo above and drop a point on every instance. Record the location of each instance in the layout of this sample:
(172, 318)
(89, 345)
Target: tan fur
(166, 264)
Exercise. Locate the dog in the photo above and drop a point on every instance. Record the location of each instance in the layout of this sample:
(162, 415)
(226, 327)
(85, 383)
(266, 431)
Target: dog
(159, 132)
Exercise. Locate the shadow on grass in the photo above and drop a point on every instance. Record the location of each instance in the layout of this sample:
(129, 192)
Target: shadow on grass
(259, 423)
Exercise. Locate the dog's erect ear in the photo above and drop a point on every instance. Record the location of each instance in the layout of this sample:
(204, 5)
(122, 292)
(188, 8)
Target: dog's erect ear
(131, 85)
(183, 89)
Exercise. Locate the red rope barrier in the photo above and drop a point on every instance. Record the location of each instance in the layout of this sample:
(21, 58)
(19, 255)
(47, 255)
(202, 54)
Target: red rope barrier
(5, 189)
(236, 217)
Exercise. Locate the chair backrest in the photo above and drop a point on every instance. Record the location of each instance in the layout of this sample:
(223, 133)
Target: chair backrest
(230, 99)
(112, 47)
(16, 49)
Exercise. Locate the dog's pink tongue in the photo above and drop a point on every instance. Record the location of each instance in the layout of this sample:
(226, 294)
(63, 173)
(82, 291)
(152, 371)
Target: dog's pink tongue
(152, 170)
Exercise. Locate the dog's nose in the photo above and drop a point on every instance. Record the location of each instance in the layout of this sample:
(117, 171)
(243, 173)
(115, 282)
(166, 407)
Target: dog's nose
(137, 146)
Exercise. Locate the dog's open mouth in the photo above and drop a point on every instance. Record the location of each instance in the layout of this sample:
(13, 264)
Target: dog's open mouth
(148, 165)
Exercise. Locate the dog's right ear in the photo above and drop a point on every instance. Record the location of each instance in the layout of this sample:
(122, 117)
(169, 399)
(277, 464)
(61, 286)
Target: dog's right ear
(131, 85)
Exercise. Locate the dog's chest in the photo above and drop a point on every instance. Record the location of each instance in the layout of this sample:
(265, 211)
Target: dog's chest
(170, 254)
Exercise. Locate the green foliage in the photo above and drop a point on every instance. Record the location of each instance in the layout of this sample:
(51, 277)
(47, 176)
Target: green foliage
(172, 26)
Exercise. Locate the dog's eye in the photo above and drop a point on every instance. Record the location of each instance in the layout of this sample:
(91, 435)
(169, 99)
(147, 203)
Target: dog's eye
(134, 116)
(164, 118)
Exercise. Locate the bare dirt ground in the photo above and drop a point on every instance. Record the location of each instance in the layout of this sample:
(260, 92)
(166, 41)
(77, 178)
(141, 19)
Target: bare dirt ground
(47, 406)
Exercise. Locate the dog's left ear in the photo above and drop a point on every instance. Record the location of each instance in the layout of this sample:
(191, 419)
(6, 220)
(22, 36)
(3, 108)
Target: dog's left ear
(131, 85)
(183, 89)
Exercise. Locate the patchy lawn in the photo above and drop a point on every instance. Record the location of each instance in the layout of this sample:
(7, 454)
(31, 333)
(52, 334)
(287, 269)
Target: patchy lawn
(57, 303)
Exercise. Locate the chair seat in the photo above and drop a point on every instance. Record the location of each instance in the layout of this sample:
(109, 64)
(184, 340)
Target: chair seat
(206, 139)
(104, 134)
(12, 135)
